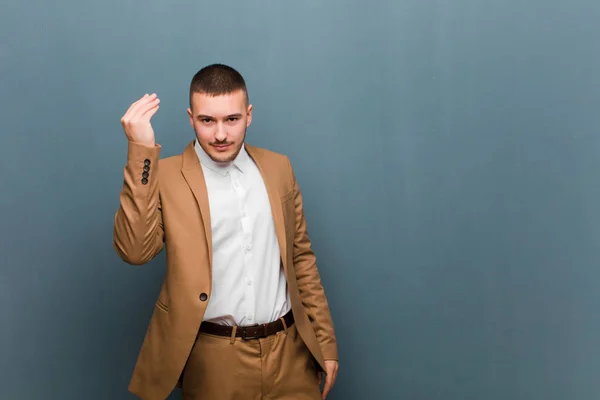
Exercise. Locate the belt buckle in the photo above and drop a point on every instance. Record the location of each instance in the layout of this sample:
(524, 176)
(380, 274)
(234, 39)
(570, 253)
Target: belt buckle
(258, 336)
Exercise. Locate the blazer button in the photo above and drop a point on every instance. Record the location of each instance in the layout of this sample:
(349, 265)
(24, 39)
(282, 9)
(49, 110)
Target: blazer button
(203, 296)
(144, 181)
(146, 162)
(145, 174)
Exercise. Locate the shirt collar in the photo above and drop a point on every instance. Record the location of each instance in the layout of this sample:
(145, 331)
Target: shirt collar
(240, 161)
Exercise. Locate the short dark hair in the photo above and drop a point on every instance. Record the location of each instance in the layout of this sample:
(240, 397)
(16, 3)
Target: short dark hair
(216, 80)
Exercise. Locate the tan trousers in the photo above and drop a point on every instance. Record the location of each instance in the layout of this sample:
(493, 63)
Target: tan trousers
(276, 367)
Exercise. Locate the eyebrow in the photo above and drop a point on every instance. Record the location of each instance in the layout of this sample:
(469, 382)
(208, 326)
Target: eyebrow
(202, 116)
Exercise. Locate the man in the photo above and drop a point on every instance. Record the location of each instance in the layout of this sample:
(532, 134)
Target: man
(242, 313)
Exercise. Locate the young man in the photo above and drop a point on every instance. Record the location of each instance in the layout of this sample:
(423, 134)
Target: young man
(242, 313)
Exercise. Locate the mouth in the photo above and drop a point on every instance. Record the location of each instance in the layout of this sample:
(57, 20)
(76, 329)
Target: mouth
(222, 147)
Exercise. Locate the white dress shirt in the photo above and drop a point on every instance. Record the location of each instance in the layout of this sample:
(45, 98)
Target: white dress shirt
(248, 281)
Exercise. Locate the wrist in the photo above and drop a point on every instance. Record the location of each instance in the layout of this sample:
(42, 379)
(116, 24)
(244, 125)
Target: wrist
(150, 144)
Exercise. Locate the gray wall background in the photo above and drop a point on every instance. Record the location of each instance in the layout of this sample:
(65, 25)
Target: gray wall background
(447, 151)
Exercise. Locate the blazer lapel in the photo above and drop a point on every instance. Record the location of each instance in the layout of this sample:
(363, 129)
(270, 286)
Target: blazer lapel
(274, 199)
(192, 172)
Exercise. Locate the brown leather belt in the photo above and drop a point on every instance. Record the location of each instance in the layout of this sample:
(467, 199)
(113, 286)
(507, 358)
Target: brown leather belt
(248, 332)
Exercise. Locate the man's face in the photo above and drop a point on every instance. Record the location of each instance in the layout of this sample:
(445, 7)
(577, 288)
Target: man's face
(220, 123)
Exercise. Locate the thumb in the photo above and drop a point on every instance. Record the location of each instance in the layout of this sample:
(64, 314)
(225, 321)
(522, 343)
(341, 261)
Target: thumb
(328, 385)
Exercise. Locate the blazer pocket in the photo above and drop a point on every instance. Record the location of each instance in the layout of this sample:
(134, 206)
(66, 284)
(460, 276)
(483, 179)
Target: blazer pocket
(287, 197)
(162, 306)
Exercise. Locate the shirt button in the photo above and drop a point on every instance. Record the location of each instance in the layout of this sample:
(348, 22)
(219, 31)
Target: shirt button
(249, 282)
(248, 246)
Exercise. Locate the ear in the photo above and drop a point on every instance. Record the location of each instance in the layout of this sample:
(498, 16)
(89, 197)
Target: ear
(189, 111)
(249, 113)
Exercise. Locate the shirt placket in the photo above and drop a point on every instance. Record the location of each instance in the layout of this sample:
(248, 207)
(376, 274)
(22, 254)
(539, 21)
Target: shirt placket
(246, 232)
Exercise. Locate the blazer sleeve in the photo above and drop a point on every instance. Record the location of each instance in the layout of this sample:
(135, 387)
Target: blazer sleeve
(138, 234)
(309, 281)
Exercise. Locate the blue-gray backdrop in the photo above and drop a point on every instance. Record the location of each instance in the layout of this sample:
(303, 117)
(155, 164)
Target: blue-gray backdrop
(447, 150)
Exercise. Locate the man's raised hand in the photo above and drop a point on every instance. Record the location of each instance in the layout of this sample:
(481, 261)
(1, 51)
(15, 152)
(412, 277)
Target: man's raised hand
(136, 121)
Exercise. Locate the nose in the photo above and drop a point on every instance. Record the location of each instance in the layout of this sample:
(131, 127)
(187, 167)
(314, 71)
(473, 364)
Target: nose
(220, 134)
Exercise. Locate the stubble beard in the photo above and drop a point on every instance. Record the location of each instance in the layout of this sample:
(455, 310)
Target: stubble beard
(232, 156)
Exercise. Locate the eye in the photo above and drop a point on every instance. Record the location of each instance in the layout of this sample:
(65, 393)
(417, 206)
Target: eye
(206, 120)
(231, 119)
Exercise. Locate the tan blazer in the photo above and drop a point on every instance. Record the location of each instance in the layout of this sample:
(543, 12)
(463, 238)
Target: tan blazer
(168, 206)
